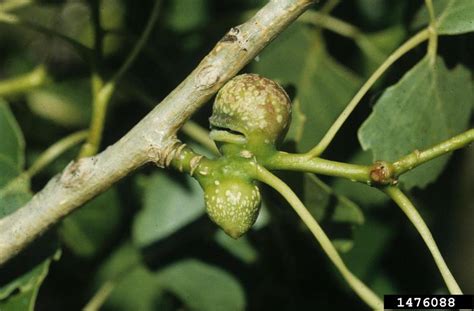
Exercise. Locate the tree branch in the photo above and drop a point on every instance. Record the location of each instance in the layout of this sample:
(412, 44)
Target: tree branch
(418, 157)
(154, 137)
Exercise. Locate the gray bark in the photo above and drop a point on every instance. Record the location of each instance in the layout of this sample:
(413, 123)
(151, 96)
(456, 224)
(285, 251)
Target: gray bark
(154, 137)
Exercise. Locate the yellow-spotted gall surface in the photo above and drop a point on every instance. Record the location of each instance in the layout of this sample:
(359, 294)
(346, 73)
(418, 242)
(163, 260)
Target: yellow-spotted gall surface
(233, 204)
(254, 106)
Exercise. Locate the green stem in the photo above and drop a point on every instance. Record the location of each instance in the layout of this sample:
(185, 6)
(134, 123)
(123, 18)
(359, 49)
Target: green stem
(98, 31)
(433, 35)
(100, 297)
(329, 6)
(150, 139)
(369, 297)
(429, 6)
(303, 163)
(140, 43)
(54, 151)
(44, 160)
(331, 133)
(100, 101)
(417, 157)
(344, 29)
(24, 82)
(13, 5)
(9, 18)
(362, 173)
(409, 209)
(200, 135)
(432, 43)
(102, 92)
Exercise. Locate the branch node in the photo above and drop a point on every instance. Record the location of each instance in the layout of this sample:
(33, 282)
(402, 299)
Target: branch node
(231, 36)
(207, 77)
(382, 173)
(163, 156)
(77, 173)
(194, 163)
(172, 151)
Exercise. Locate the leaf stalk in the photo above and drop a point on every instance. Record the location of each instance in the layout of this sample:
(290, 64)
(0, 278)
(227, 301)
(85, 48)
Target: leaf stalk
(415, 218)
(364, 292)
(336, 126)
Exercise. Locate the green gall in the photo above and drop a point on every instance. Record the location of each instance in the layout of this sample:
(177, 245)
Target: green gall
(250, 109)
(233, 204)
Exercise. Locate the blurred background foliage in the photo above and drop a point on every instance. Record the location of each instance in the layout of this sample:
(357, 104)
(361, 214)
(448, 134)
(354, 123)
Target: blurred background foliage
(146, 244)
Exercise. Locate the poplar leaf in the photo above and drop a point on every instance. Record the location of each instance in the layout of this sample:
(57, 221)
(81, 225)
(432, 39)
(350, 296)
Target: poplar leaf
(453, 17)
(428, 105)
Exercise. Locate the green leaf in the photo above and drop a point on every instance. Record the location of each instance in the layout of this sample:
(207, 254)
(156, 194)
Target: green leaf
(180, 19)
(198, 285)
(376, 13)
(72, 20)
(14, 194)
(452, 16)
(112, 15)
(387, 40)
(23, 275)
(8, 171)
(168, 206)
(138, 290)
(428, 105)
(24, 283)
(336, 213)
(91, 228)
(383, 284)
(202, 287)
(134, 287)
(22, 301)
(12, 144)
(263, 218)
(53, 21)
(28, 286)
(14, 189)
(365, 259)
(298, 120)
(65, 103)
(369, 247)
(121, 260)
(323, 86)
